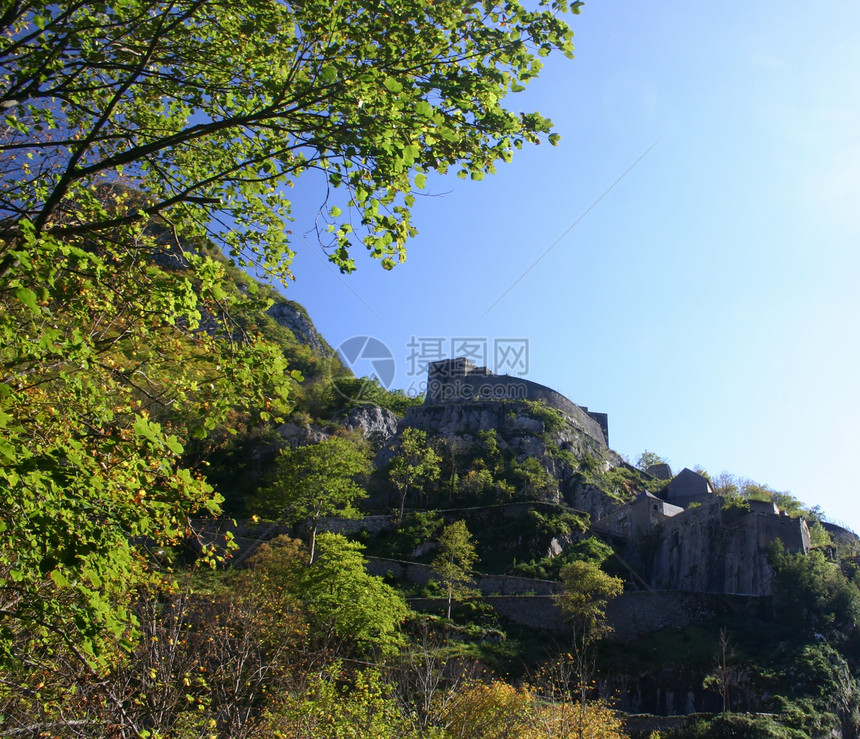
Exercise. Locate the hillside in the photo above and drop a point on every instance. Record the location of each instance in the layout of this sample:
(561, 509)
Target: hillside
(726, 599)
(412, 565)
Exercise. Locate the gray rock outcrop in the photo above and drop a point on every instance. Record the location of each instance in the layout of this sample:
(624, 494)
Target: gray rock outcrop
(292, 316)
(296, 435)
(375, 423)
(523, 434)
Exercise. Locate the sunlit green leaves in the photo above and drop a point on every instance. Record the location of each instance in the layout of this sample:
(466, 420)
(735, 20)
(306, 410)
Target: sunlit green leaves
(339, 594)
(219, 107)
(136, 132)
(99, 385)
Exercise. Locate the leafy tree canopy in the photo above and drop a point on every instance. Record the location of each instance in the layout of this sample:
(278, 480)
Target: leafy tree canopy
(338, 593)
(648, 459)
(135, 133)
(812, 593)
(414, 464)
(213, 108)
(586, 590)
(498, 710)
(317, 480)
(452, 566)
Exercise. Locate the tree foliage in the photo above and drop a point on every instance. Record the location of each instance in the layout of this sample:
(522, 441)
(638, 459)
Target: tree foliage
(453, 564)
(498, 710)
(586, 590)
(493, 710)
(340, 597)
(730, 725)
(415, 464)
(648, 459)
(813, 595)
(317, 480)
(106, 372)
(338, 706)
(133, 134)
(217, 106)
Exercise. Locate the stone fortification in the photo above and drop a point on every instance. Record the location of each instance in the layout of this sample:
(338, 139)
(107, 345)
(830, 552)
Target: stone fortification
(636, 519)
(688, 487)
(701, 545)
(460, 381)
(466, 420)
(719, 550)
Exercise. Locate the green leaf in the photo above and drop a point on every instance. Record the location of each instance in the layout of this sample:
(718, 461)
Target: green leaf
(392, 85)
(8, 451)
(146, 429)
(172, 443)
(422, 107)
(28, 298)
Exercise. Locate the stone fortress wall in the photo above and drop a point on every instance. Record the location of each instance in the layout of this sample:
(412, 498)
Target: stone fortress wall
(460, 381)
(712, 549)
(699, 545)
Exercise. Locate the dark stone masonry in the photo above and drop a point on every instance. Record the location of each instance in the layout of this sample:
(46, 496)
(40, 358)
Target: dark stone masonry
(459, 381)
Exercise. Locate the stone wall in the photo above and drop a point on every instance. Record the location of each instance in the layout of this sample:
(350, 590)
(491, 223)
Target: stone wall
(636, 613)
(420, 574)
(637, 518)
(536, 611)
(714, 550)
(348, 526)
(459, 381)
(247, 534)
(632, 615)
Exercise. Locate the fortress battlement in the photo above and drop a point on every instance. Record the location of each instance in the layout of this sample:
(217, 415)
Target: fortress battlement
(459, 380)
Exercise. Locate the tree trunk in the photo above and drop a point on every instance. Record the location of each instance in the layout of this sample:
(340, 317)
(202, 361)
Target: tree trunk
(402, 504)
(313, 542)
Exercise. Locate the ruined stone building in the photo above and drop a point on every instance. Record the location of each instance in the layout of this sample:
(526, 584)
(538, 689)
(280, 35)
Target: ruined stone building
(686, 538)
(682, 538)
(460, 381)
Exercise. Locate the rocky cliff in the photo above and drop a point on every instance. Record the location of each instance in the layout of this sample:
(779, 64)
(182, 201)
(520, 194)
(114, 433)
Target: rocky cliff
(293, 316)
(526, 431)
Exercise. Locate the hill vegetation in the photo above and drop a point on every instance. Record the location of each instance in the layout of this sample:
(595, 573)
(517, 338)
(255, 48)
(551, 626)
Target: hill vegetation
(150, 386)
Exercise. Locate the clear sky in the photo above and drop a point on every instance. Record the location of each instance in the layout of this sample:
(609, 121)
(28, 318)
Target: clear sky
(706, 299)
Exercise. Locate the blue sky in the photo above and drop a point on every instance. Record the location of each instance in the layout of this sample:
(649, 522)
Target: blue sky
(707, 300)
